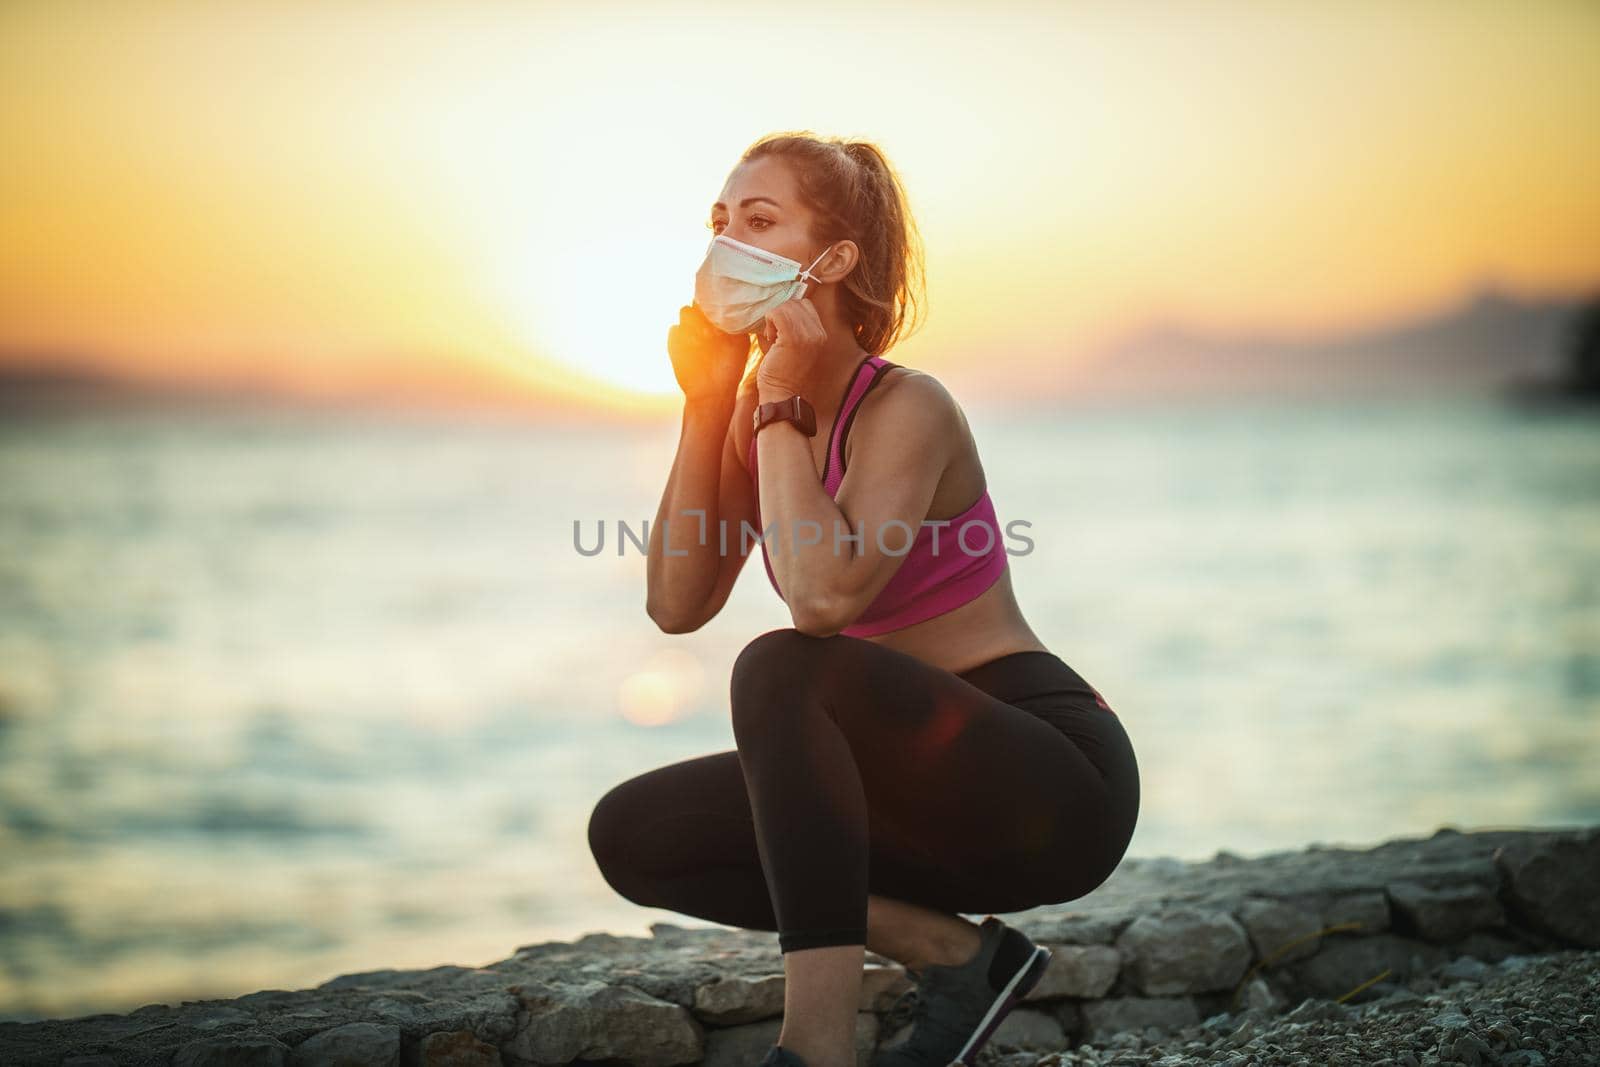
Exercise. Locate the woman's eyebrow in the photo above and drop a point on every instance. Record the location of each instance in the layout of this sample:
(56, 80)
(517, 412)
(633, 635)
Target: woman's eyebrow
(747, 201)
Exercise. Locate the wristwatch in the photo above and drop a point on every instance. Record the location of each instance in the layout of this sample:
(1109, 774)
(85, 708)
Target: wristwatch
(796, 409)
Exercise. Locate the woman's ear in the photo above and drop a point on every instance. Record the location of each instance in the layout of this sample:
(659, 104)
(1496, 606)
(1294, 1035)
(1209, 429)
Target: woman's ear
(852, 255)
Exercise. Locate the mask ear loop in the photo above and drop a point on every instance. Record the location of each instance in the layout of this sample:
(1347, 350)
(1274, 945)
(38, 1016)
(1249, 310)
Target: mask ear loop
(807, 273)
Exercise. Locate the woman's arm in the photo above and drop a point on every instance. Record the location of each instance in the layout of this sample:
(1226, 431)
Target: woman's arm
(915, 430)
(688, 576)
(687, 587)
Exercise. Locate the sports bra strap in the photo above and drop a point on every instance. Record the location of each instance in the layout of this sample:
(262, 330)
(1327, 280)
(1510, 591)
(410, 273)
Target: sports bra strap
(867, 374)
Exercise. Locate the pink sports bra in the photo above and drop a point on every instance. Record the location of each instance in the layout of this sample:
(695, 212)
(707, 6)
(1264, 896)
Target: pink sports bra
(930, 580)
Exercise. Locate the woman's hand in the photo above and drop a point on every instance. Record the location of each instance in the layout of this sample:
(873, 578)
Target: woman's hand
(707, 362)
(792, 337)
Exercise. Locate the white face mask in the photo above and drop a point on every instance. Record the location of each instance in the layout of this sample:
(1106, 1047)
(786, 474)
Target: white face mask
(738, 284)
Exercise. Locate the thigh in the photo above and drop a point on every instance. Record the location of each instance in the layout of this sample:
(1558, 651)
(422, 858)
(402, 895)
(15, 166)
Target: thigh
(966, 793)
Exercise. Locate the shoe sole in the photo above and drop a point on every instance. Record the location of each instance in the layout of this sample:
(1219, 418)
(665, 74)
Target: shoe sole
(1019, 986)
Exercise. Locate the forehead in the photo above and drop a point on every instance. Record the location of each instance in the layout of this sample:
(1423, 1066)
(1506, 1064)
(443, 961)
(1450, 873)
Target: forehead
(767, 176)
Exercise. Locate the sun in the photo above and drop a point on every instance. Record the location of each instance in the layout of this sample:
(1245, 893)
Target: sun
(585, 242)
(602, 301)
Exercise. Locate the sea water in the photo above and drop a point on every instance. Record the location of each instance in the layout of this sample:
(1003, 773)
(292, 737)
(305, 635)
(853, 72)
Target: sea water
(290, 694)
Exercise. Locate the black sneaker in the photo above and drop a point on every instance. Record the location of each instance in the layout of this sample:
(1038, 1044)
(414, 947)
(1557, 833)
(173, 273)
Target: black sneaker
(778, 1056)
(959, 1008)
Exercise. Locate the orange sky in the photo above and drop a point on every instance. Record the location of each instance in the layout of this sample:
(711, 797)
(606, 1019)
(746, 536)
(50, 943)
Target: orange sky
(512, 197)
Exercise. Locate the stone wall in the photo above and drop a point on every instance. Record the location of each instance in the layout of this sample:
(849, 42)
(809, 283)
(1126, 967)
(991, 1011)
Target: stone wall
(1161, 945)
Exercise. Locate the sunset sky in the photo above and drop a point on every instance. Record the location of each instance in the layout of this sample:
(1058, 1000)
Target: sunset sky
(513, 196)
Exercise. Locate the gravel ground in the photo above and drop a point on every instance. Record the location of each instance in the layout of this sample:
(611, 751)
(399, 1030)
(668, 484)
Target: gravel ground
(1524, 1011)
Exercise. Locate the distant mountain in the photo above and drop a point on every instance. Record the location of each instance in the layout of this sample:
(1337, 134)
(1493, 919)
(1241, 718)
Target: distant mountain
(69, 382)
(1488, 342)
(42, 383)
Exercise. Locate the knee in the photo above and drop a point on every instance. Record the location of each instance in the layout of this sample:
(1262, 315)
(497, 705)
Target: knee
(772, 669)
(612, 824)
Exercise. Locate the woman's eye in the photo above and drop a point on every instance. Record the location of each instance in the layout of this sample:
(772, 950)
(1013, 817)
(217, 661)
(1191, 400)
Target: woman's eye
(712, 225)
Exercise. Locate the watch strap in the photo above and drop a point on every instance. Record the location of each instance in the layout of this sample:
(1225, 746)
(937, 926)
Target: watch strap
(793, 408)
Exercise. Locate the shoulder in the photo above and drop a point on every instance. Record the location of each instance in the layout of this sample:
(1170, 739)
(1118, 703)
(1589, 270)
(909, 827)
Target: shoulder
(911, 406)
(904, 393)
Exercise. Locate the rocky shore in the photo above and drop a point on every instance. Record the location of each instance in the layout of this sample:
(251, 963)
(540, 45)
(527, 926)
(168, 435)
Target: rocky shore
(1475, 948)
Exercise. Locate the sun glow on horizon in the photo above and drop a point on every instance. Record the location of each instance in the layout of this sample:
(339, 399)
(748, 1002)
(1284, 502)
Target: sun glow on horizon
(513, 199)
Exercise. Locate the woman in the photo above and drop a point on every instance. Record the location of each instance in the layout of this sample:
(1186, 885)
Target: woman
(909, 749)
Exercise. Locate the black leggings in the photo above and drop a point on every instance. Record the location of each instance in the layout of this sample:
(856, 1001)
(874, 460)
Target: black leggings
(861, 768)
